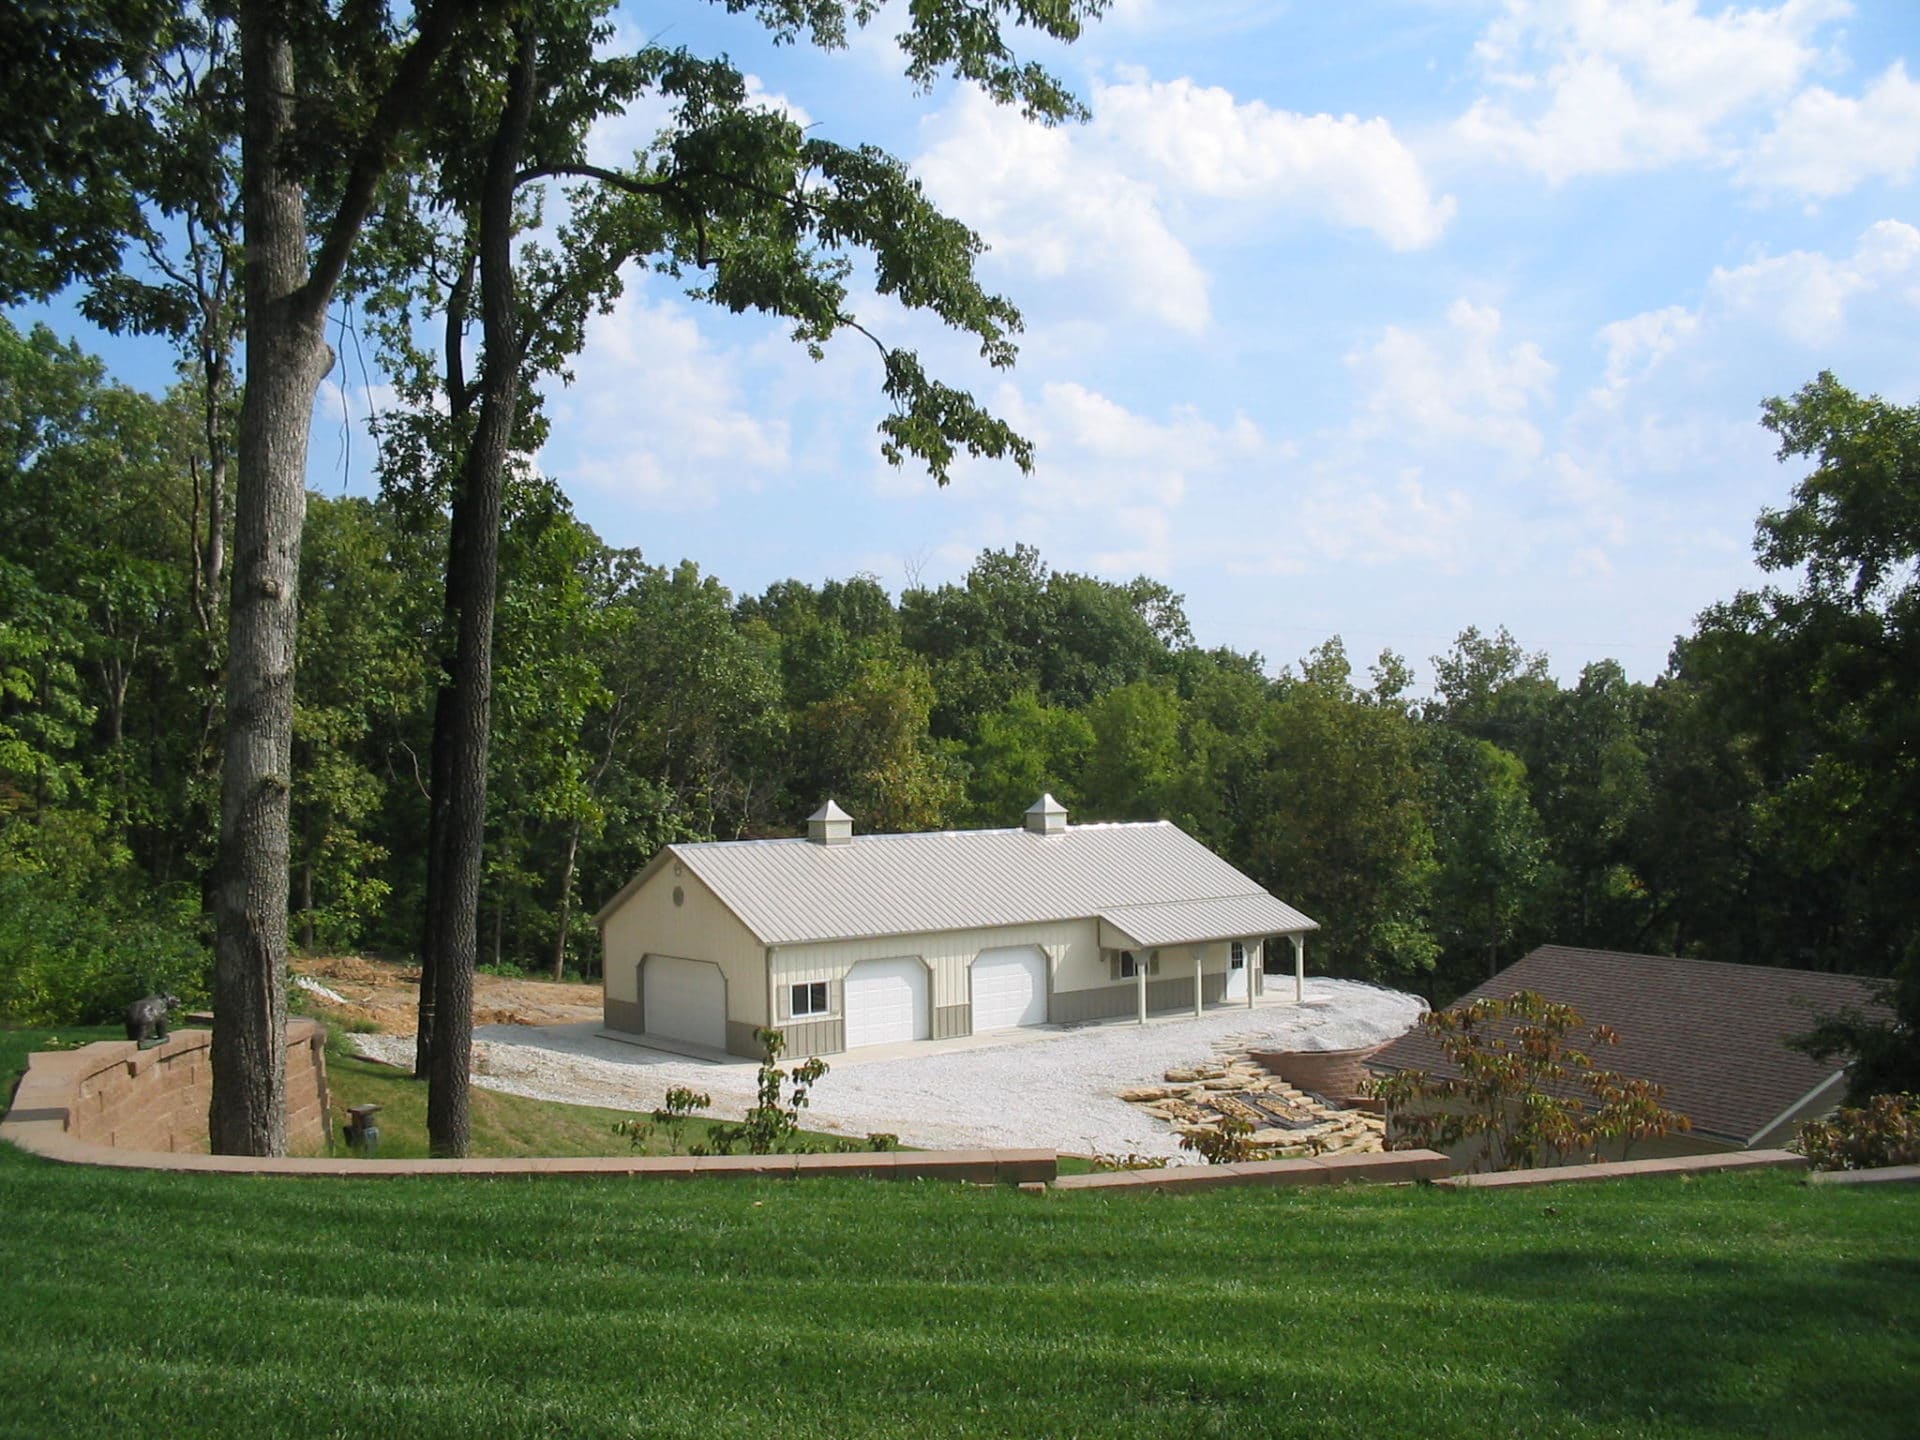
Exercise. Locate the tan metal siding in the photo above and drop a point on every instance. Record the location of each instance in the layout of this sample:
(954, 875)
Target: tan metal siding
(952, 1021)
(700, 928)
(1071, 946)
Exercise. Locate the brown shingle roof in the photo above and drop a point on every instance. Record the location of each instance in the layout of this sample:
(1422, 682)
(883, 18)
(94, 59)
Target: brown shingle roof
(1713, 1034)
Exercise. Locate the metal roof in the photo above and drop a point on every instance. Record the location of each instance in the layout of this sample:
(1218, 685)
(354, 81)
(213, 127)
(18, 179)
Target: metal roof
(791, 892)
(1189, 922)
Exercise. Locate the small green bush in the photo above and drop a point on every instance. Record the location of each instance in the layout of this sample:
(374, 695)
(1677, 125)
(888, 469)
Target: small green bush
(80, 955)
(1885, 1131)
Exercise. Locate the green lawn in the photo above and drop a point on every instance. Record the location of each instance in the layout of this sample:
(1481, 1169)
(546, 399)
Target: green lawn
(1732, 1305)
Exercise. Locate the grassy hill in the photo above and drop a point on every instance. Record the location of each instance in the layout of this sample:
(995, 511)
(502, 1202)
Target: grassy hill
(1732, 1305)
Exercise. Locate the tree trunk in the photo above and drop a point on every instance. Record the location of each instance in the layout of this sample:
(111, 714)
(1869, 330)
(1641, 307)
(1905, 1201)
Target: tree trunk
(473, 568)
(566, 903)
(286, 358)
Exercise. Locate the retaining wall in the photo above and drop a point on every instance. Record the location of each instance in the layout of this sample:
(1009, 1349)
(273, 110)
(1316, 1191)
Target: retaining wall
(1337, 1075)
(112, 1095)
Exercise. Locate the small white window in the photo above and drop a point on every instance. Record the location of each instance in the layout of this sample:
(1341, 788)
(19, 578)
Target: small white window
(810, 999)
(1239, 958)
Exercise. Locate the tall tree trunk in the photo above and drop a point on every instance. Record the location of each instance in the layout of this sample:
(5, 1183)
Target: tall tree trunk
(287, 355)
(438, 787)
(566, 903)
(287, 288)
(473, 571)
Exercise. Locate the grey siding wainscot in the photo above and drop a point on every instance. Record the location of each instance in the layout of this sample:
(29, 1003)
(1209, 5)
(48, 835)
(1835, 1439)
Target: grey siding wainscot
(952, 1020)
(740, 1040)
(1100, 1003)
(1175, 994)
(805, 1038)
(623, 1015)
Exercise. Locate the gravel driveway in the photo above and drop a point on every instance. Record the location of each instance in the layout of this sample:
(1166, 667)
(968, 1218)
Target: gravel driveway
(1048, 1088)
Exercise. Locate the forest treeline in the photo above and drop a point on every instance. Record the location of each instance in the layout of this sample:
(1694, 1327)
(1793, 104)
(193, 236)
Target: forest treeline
(1756, 802)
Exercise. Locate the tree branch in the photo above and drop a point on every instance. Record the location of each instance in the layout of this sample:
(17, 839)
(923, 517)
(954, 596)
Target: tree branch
(405, 97)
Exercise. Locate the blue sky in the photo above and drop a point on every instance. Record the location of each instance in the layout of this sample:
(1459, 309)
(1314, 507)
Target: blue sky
(1380, 320)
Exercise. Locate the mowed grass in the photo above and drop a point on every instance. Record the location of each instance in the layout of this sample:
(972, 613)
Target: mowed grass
(504, 1126)
(1732, 1305)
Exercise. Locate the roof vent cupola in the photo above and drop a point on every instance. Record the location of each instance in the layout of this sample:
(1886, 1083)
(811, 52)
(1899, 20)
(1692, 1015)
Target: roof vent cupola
(1047, 816)
(830, 825)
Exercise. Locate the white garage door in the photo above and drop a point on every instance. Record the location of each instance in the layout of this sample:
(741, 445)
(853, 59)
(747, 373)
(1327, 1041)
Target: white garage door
(1009, 988)
(684, 1000)
(886, 1002)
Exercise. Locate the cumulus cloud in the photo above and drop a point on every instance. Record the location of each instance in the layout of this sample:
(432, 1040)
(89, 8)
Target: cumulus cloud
(1580, 87)
(1461, 384)
(1103, 204)
(1053, 204)
(1637, 344)
(1826, 144)
(1202, 141)
(1806, 294)
(1109, 485)
(660, 416)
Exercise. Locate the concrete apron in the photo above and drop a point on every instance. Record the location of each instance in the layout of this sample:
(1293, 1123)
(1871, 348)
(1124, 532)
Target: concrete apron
(913, 1049)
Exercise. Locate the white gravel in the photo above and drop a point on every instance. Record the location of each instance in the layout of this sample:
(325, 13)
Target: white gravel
(1051, 1088)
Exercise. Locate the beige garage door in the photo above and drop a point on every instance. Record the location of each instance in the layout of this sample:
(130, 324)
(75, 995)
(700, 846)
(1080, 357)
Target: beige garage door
(684, 1000)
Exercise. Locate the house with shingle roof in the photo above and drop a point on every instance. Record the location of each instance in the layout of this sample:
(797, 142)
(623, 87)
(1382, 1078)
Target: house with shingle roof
(1714, 1035)
(843, 941)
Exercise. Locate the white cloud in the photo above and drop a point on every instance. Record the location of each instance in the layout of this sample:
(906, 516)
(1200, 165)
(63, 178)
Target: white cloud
(1205, 143)
(1109, 484)
(1608, 86)
(1407, 519)
(659, 416)
(1826, 144)
(1461, 385)
(1046, 200)
(1806, 294)
(1637, 344)
(1106, 205)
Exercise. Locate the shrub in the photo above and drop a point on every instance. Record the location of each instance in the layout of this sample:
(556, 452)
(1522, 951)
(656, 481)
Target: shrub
(80, 955)
(1519, 1091)
(1230, 1143)
(1885, 1131)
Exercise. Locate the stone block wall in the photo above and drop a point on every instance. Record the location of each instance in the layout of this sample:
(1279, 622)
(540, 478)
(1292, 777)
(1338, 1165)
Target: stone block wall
(118, 1095)
(1337, 1075)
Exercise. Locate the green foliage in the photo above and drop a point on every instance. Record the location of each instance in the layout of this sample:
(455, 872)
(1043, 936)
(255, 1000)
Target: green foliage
(1881, 1048)
(1527, 1094)
(80, 954)
(1230, 1142)
(662, 1128)
(772, 1123)
(1331, 816)
(1886, 1131)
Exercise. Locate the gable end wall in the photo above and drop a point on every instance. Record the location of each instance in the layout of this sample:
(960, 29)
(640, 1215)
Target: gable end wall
(701, 928)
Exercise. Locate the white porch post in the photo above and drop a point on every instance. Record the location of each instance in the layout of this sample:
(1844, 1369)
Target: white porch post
(1246, 959)
(1140, 963)
(1299, 967)
(1198, 952)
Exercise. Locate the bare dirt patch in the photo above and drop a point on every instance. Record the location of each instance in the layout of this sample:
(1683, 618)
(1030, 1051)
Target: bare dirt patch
(387, 994)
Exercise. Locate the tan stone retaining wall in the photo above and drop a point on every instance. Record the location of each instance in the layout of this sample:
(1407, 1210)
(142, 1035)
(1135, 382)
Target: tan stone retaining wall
(1631, 1169)
(1337, 1075)
(112, 1095)
(1400, 1168)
